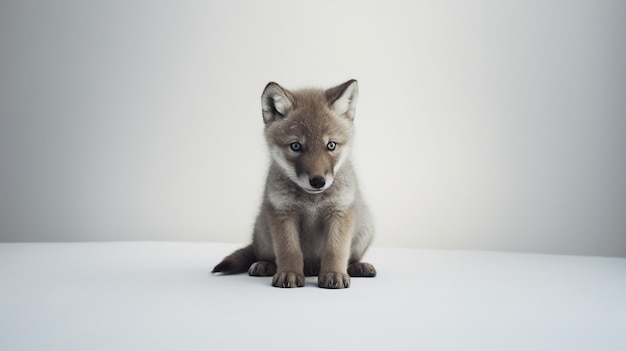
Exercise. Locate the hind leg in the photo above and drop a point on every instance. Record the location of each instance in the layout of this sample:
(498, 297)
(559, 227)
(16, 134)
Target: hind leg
(262, 269)
(361, 269)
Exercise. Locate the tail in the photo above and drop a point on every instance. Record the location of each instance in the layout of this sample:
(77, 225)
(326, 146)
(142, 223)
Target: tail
(237, 262)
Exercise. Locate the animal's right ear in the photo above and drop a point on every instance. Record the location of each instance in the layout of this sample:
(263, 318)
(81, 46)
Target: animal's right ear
(276, 102)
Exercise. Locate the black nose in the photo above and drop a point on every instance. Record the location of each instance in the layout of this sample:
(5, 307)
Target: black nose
(317, 182)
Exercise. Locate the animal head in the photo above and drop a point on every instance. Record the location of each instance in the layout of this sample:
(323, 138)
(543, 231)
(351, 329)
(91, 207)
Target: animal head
(309, 131)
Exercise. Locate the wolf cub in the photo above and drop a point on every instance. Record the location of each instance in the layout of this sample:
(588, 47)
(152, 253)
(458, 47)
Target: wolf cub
(312, 221)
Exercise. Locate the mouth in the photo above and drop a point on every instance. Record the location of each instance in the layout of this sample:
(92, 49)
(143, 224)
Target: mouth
(314, 191)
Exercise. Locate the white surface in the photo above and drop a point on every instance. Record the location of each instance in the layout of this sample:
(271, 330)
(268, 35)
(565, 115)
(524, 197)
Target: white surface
(492, 125)
(160, 296)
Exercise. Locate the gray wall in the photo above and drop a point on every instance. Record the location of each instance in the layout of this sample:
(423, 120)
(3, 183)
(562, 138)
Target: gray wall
(481, 125)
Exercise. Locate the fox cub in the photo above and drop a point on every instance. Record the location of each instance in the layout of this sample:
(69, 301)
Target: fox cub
(312, 221)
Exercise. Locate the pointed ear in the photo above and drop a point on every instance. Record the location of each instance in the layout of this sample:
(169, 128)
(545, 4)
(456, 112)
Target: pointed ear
(342, 98)
(276, 102)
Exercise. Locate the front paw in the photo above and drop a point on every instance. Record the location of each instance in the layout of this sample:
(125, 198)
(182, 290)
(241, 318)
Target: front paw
(288, 280)
(333, 280)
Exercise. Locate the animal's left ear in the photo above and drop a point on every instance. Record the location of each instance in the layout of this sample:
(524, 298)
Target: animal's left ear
(342, 98)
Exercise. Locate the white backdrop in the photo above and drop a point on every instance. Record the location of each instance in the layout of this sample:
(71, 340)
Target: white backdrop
(480, 125)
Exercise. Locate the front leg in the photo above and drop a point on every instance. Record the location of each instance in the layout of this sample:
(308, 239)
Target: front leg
(333, 272)
(286, 243)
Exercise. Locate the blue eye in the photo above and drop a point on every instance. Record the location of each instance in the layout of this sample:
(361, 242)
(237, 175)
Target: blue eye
(296, 146)
(331, 145)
